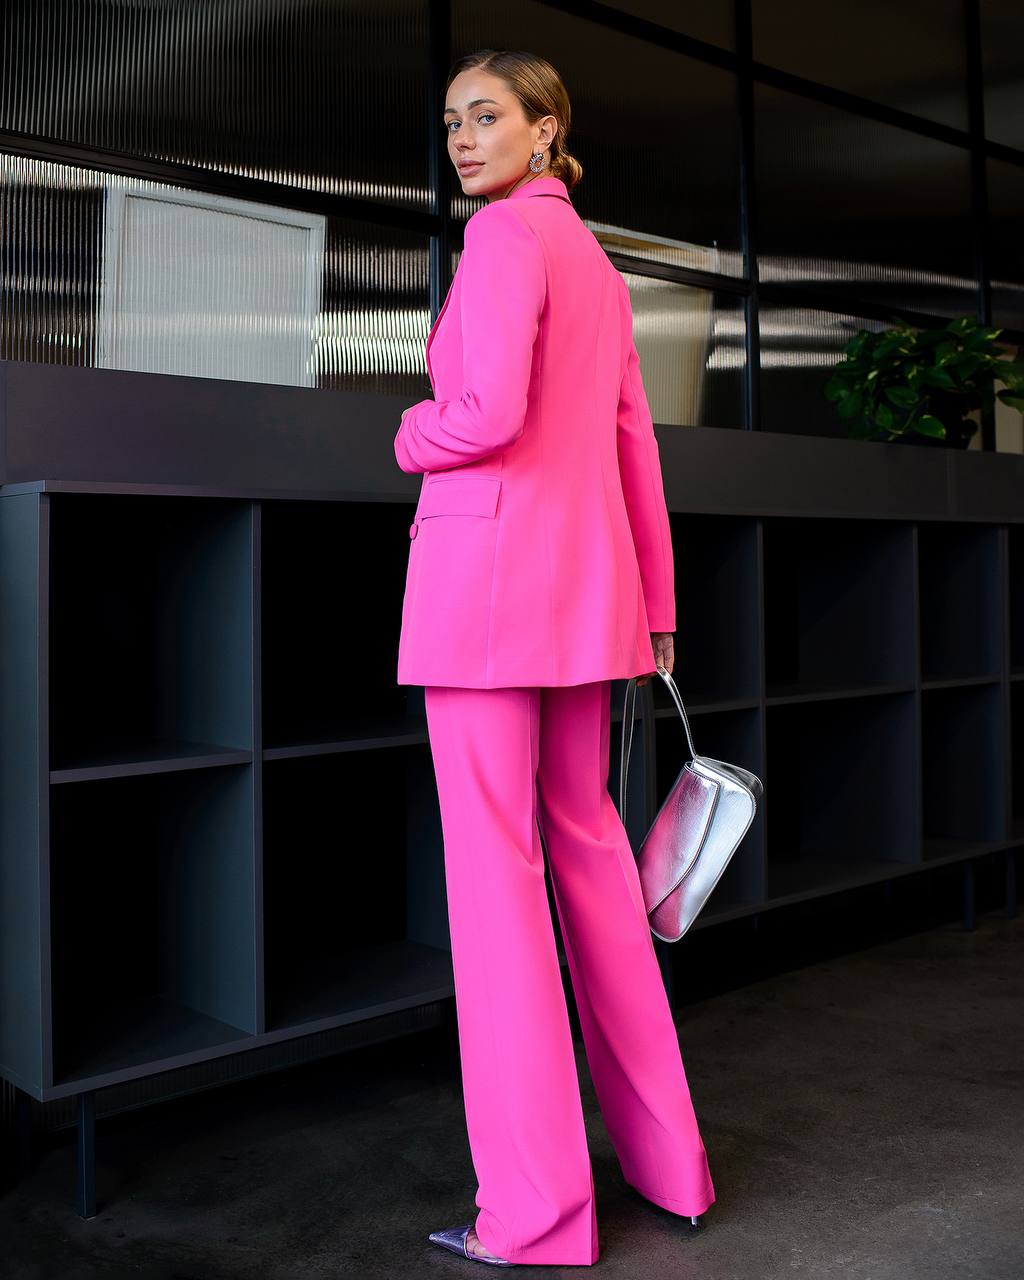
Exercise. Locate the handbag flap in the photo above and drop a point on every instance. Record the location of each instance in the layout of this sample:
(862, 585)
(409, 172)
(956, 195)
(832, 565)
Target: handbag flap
(734, 774)
(676, 836)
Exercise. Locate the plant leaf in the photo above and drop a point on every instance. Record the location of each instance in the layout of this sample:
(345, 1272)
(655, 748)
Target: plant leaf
(962, 324)
(856, 343)
(937, 378)
(930, 426)
(883, 416)
(850, 405)
(892, 343)
(981, 338)
(905, 397)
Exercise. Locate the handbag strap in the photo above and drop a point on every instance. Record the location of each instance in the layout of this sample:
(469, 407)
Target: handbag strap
(628, 716)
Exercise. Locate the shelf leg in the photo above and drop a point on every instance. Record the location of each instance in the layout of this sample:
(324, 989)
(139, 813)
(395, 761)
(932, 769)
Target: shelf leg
(86, 1153)
(969, 922)
(22, 1133)
(1010, 866)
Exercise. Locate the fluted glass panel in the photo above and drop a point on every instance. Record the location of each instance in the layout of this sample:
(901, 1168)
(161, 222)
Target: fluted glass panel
(870, 211)
(909, 55)
(1002, 55)
(655, 131)
(692, 354)
(708, 20)
(101, 270)
(1006, 242)
(314, 94)
(51, 247)
(375, 314)
(800, 348)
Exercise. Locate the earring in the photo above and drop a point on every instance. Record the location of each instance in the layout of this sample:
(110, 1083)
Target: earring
(537, 156)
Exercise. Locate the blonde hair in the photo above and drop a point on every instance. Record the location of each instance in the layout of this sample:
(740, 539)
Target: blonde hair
(539, 88)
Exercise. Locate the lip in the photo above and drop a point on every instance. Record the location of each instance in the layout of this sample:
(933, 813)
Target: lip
(470, 165)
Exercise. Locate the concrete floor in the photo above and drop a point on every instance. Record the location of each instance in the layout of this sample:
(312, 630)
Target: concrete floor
(863, 1116)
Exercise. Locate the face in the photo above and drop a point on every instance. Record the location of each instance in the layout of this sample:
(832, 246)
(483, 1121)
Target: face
(488, 132)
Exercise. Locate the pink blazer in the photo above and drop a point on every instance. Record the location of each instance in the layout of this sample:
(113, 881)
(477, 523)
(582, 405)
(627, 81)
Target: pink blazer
(540, 552)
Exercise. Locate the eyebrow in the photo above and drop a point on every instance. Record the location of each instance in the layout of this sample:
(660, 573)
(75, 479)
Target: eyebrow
(452, 111)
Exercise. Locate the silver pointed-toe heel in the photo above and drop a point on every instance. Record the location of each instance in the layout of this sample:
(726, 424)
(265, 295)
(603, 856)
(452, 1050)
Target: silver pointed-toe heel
(456, 1239)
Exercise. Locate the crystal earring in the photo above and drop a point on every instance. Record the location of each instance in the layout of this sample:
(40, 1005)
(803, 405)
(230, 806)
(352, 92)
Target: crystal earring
(537, 161)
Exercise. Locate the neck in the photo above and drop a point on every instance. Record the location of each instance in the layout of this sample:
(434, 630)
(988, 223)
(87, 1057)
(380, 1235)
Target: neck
(517, 184)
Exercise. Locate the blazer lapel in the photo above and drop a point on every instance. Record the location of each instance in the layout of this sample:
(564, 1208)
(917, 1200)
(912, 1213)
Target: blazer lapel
(547, 186)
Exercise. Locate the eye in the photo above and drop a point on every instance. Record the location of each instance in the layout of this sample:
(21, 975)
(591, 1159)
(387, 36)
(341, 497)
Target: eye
(488, 114)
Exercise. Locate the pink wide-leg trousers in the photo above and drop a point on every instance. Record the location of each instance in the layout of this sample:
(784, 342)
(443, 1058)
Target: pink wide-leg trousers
(506, 760)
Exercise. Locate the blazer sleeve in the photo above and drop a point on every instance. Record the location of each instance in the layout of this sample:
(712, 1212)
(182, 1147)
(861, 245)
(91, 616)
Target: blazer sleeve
(504, 286)
(643, 486)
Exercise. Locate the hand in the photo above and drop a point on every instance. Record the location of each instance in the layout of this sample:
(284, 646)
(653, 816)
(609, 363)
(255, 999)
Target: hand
(661, 642)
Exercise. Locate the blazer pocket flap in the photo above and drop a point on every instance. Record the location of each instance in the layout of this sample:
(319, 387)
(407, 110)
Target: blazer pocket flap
(460, 496)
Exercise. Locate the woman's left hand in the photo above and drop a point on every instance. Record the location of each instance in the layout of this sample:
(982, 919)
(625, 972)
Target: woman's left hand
(664, 656)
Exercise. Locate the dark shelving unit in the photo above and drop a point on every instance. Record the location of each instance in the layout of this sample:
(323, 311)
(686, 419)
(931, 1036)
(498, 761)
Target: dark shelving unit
(219, 827)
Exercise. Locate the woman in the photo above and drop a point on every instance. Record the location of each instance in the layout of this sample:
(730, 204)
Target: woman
(540, 569)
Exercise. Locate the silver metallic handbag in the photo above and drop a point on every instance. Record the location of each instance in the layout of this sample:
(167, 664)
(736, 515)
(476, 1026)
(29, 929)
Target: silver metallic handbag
(706, 814)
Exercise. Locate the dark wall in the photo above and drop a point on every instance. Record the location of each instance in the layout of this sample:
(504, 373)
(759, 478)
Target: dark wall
(770, 176)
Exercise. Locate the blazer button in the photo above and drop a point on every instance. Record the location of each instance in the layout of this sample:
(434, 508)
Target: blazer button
(412, 530)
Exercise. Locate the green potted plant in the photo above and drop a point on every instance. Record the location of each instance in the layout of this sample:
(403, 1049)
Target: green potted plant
(902, 381)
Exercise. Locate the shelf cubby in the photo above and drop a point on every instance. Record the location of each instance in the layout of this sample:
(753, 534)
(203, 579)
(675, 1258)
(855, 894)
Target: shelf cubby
(330, 621)
(717, 641)
(959, 600)
(838, 603)
(735, 737)
(1015, 569)
(963, 767)
(150, 626)
(353, 887)
(152, 919)
(842, 793)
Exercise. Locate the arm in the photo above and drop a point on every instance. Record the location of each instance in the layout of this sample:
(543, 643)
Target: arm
(643, 488)
(504, 285)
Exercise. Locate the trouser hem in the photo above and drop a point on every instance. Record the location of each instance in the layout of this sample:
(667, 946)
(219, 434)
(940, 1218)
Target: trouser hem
(683, 1208)
(535, 1255)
